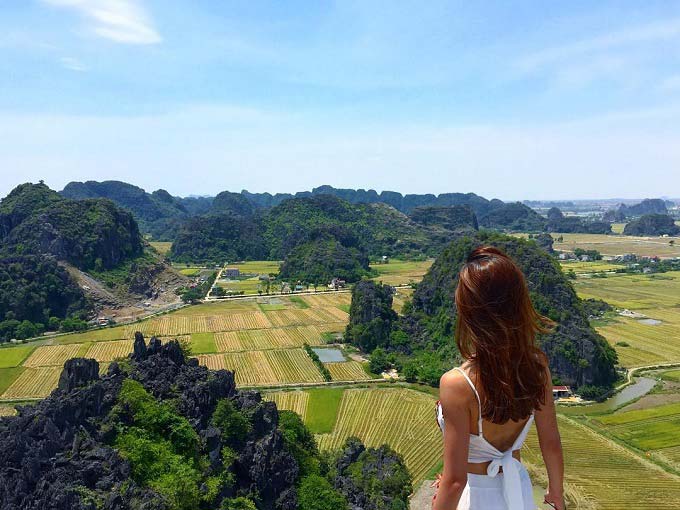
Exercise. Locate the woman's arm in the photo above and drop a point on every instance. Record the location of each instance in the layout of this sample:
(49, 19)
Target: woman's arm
(551, 447)
(454, 396)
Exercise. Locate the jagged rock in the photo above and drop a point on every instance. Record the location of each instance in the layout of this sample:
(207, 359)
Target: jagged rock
(78, 372)
(139, 348)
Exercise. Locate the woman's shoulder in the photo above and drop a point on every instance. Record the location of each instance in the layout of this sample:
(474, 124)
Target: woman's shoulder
(454, 385)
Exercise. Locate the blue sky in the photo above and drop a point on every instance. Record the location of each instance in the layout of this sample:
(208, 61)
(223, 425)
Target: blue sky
(508, 99)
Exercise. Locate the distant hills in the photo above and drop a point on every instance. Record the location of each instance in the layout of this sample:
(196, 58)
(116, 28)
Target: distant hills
(42, 236)
(421, 341)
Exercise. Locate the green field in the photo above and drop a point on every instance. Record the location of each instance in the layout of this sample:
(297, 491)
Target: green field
(646, 429)
(14, 356)
(161, 247)
(260, 338)
(657, 296)
(602, 475)
(618, 244)
(597, 266)
(401, 272)
(671, 375)
(202, 343)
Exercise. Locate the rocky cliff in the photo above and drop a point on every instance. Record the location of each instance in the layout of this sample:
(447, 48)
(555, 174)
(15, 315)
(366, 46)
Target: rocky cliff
(160, 432)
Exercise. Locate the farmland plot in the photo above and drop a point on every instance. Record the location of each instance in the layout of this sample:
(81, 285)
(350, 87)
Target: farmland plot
(109, 351)
(402, 418)
(347, 371)
(328, 299)
(293, 365)
(295, 401)
(52, 355)
(605, 476)
(34, 383)
(212, 361)
(251, 368)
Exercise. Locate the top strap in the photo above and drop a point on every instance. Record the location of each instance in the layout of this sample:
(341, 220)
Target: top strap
(479, 402)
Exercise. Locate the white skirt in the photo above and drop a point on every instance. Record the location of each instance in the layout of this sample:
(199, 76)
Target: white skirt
(483, 492)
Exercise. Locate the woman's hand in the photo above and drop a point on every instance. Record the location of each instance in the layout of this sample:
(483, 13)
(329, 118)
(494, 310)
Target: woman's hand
(557, 502)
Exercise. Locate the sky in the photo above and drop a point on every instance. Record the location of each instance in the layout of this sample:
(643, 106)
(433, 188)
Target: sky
(509, 99)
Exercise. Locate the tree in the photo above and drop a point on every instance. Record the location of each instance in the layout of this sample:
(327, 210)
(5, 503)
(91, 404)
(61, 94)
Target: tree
(238, 504)
(379, 362)
(231, 422)
(316, 493)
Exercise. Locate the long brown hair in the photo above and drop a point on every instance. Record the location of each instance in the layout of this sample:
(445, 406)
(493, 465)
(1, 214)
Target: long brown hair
(496, 330)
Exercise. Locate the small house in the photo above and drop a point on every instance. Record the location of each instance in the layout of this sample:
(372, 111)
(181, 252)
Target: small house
(561, 392)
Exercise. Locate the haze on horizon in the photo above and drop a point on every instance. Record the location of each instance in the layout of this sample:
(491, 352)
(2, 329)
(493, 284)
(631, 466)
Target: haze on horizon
(512, 100)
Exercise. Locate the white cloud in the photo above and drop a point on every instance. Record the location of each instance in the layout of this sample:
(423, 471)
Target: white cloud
(652, 32)
(122, 21)
(72, 64)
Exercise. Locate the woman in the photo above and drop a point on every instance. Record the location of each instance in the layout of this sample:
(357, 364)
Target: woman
(487, 405)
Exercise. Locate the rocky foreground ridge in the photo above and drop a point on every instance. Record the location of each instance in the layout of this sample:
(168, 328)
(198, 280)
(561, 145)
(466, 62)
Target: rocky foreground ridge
(205, 445)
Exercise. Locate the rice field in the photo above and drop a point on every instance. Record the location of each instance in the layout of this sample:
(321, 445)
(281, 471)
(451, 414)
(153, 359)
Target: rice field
(618, 244)
(347, 371)
(327, 299)
(162, 247)
(601, 475)
(654, 428)
(53, 355)
(109, 351)
(263, 339)
(33, 383)
(657, 297)
(97, 335)
(401, 272)
(265, 368)
(295, 401)
(402, 418)
(298, 317)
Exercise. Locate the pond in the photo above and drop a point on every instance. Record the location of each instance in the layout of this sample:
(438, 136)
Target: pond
(329, 355)
(650, 322)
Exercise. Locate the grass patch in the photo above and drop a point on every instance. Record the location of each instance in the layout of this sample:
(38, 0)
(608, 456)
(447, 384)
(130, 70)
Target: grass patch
(671, 375)
(322, 409)
(641, 415)
(203, 343)
(344, 308)
(14, 356)
(8, 376)
(96, 335)
(191, 271)
(266, 307)
(162, 247)
(298, 302)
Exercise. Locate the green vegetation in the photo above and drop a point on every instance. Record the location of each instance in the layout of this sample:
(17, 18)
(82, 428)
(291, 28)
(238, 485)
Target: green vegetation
(322, 409)
(371, 316)
(316, 493)
(557, 222)
(637, 343)
(36, 292)
(515, 217)
(457, 218)
(325, 256)
(161, 446)
(203, 343)
(158, 214)
(652, 225)
(14, 356)
(315, 358)
(8, 376)
(422, 341)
